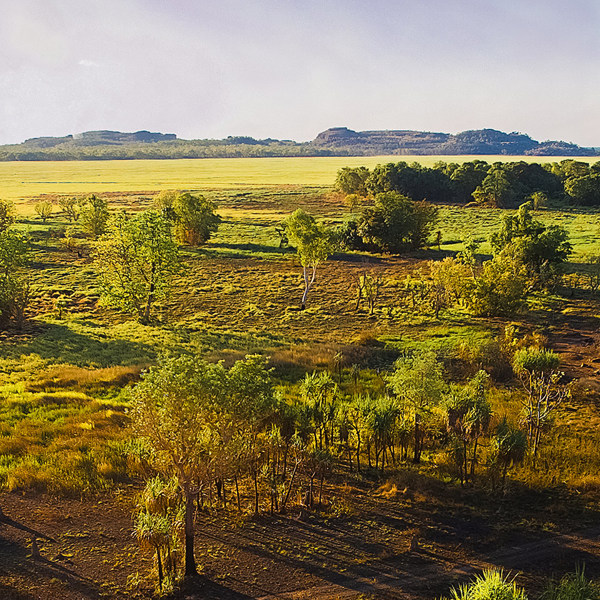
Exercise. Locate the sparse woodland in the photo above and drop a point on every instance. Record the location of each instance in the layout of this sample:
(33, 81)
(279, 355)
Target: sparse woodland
(237, 361)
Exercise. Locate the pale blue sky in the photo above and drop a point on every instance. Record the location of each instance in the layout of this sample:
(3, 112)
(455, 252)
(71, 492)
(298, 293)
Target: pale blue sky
(289, 69)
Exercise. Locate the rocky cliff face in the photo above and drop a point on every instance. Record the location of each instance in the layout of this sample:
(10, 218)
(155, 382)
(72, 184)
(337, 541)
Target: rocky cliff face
(101, 138)
(481, 141)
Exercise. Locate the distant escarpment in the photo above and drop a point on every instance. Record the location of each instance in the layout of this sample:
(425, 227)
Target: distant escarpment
(480, 141)
(338, 141)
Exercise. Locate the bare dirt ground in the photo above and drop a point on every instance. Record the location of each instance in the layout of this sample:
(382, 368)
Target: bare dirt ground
(362, 545)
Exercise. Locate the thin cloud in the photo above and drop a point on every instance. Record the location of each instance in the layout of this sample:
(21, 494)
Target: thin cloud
(84, 62)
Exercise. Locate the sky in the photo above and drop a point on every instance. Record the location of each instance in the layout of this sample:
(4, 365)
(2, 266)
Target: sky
(289, 69)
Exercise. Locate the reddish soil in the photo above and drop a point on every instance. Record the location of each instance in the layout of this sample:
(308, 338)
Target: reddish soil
(364, 548)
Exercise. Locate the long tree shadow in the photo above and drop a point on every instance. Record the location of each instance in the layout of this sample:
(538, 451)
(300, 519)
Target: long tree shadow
(59, 342)
(16, 560)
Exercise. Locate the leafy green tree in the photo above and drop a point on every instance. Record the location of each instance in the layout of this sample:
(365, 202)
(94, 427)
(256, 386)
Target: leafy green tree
(188, 411)
(466, 178)
(137, 260)
(535, 244)
(584, 190)
(352, 180)
(176, 410)
(93, 217)
(418, 381)
(497, 189)
(395, 223)
(44, 210)
(14, 280)
(314, 244)
(195, 219)
(7, 214)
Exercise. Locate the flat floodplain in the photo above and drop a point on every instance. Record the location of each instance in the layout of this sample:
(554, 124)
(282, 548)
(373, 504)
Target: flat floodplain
(30, 179)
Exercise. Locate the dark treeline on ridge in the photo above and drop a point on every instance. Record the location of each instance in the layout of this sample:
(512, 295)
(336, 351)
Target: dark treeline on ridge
(505, 185)
(337, 141)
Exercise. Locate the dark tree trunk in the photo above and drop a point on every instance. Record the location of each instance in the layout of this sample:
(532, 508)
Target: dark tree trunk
(190, 561)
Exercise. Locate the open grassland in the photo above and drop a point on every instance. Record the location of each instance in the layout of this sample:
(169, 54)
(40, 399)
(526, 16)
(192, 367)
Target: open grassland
(64, 400)
(23, 180)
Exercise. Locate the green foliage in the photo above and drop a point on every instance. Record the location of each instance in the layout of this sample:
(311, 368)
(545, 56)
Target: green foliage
(500, 288)
(14, 279)
(535, 360)
(490, 585)
(7, 214)
(509, 446)
(93, 216)
(195, 219)
(352, 180)
(468, 414)
(137, 259)
(419, 383)
(584, 190)
(496, 189)
(536, 244)
(44, 210)
(314, 243)
(395, 223)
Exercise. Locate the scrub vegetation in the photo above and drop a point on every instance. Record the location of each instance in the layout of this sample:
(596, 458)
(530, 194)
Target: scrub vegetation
(255, 390)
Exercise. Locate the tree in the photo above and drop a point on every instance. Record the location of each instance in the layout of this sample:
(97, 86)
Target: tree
(584, 190)
(314, 243)
(466, 178)
(14, 281)
(188, 411)
(496, 189)
(7, 214)
(395, 223)
(509, 445)
(419, 382)
(535, 244)
(71, 208)
(44, 210)
(137, 259)
(195, 219)
(468, 414)
(352, 180)
(93, 217)
(538, 370)
(175, 408)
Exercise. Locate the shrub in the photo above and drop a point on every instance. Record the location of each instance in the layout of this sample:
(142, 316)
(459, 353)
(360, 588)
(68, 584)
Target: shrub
(574, 586)
(490, 585)
(500, 289)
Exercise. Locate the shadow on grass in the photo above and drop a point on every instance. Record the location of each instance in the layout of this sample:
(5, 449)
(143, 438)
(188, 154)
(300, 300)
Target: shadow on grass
(60, 343)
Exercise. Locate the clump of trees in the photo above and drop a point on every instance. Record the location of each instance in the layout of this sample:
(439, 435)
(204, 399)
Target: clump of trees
(392, 223)
(501, 184)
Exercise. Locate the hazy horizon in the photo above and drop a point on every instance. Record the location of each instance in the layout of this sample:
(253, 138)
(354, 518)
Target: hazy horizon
(288, 70)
